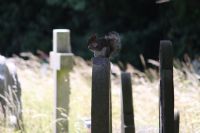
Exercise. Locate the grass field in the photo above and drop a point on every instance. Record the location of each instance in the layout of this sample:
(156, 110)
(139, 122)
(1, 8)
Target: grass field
(37, 98)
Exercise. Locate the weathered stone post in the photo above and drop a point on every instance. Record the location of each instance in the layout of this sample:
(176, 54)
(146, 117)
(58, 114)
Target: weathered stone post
(10, 95)
(101, 96)
(62, 62)
(176, 122)
(166, 112)
(127, 114)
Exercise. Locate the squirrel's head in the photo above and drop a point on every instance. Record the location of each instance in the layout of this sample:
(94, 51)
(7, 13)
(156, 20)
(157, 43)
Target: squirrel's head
(92, 42)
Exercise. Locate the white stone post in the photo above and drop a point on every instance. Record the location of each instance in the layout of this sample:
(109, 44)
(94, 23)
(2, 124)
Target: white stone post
(61, 60)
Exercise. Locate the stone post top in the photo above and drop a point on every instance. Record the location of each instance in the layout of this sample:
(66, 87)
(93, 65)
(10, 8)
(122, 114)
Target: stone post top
(61, 30)
(2, 59)
(165, 42)
(166, 54)
(61, 41)
(100, 60)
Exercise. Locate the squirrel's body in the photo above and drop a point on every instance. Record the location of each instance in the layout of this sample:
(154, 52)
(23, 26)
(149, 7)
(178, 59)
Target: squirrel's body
(104, 46)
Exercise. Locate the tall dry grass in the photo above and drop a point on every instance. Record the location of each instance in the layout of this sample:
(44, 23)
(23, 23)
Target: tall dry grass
(37, 97)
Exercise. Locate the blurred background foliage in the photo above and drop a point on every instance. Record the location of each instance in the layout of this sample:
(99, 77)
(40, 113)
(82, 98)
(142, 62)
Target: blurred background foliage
(27, 25)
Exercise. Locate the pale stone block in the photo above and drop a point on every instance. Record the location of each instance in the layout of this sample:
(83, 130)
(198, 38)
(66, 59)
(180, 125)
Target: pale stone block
(61, 41)
(60, 61)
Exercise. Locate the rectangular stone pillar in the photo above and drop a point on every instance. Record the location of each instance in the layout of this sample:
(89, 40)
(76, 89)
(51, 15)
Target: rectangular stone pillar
(101, 96)
(166, 112)
(61, 60)
(127, 114)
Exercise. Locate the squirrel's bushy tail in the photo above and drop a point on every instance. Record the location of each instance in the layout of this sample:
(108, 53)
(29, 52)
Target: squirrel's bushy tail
(116, 42)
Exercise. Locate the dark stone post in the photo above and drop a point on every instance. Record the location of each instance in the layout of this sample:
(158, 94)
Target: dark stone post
(166, 108)
(176, 122)
(101, 96)
(127, 114)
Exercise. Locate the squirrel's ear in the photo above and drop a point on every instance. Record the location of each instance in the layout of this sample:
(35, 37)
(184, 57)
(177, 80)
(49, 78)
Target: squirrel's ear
(93, 38)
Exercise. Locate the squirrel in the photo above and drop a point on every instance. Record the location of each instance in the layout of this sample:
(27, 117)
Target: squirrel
(105, 46)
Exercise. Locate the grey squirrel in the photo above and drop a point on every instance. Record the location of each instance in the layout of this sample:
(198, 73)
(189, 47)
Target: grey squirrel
(105, 46)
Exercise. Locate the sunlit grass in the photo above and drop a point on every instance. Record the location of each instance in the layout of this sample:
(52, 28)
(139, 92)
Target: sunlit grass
(37, 99)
